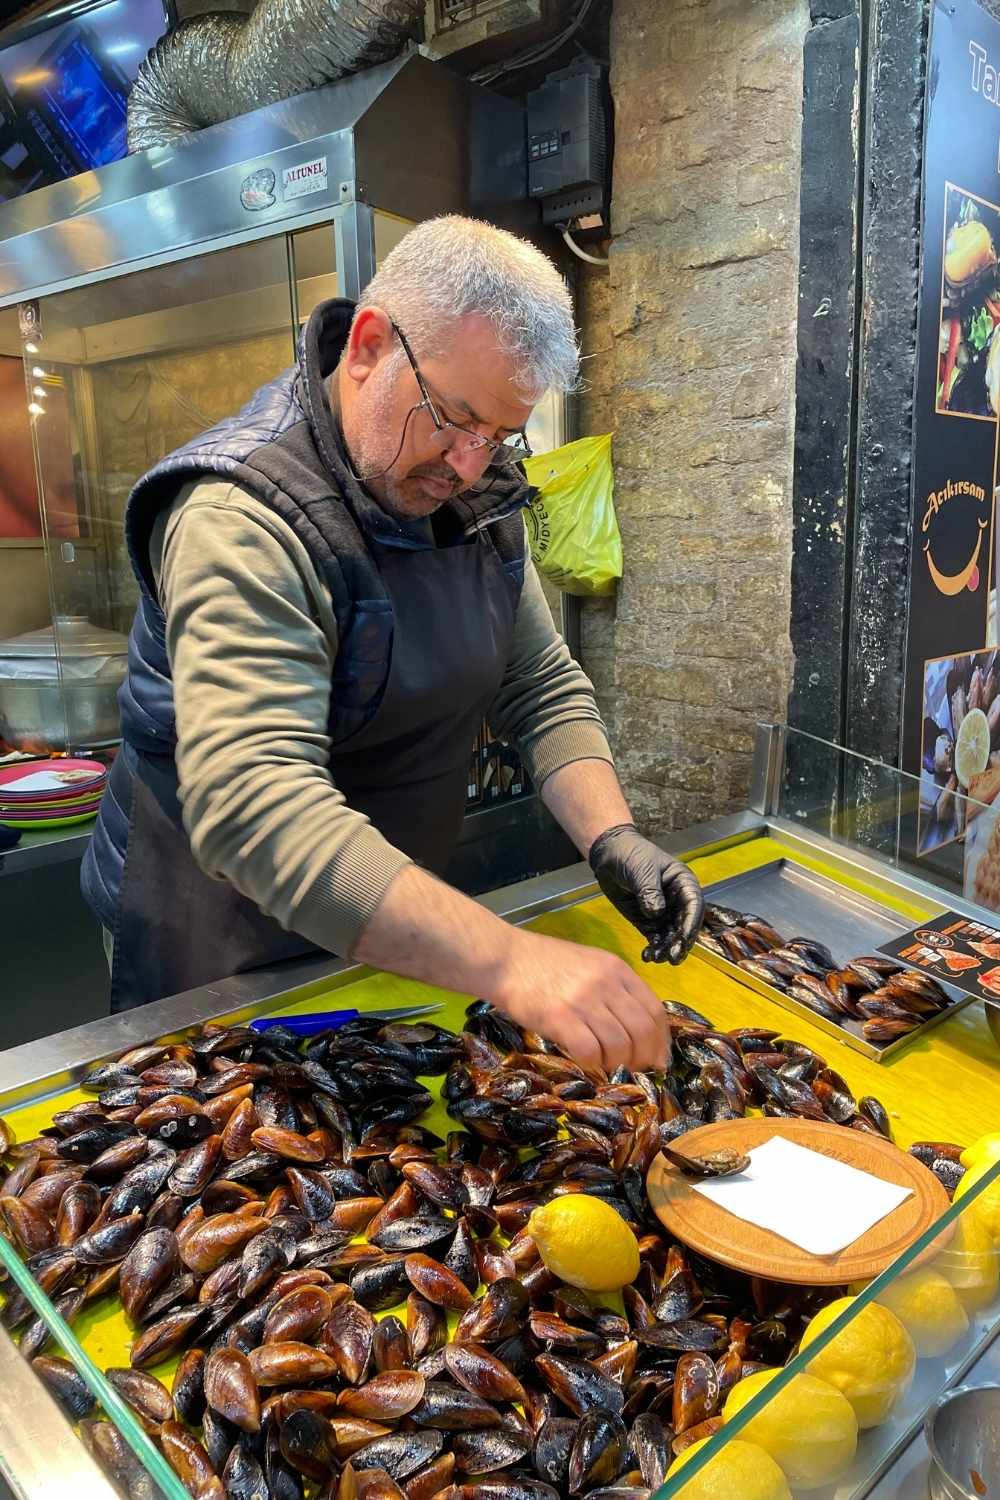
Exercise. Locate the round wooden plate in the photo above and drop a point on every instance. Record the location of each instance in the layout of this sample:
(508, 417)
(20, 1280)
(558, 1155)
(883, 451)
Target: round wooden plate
(703, 1226)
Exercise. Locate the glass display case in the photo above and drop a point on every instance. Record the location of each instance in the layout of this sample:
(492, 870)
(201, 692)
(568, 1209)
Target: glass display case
(831, 1414)
(116, 374)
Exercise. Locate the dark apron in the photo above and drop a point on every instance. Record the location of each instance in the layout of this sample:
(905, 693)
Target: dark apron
(406, 769)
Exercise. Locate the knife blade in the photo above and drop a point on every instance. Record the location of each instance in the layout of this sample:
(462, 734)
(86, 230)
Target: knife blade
(313, 1022)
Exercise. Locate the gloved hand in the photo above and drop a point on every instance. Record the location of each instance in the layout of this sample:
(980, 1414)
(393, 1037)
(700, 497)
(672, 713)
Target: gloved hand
(657, 894)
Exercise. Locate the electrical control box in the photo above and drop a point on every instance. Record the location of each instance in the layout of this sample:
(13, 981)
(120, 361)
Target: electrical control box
(567, 142)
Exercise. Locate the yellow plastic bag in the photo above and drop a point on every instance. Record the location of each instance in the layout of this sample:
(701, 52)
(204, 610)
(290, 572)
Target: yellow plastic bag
(572, 528)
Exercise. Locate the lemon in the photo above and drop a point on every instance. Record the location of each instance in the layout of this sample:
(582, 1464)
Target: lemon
(583, 1240)
(808, 1428)
(929, 1309)
(970, 1261)
(871, 1361)
(972, 748)
(986, 1149)
(741, 1469)
(987, 1206)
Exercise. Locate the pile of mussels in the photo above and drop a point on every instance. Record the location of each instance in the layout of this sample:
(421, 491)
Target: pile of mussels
(886, 998)
(254, 1203)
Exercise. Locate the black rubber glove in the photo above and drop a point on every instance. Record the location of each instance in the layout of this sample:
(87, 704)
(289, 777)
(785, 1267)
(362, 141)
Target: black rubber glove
(657, 894)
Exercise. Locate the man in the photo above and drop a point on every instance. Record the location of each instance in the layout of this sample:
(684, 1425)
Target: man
(333, 591)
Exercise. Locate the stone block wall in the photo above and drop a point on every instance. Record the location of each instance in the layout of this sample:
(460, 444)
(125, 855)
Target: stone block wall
(689, 347)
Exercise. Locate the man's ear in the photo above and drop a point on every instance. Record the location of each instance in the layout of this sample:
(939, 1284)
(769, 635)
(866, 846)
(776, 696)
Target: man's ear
(370, 340)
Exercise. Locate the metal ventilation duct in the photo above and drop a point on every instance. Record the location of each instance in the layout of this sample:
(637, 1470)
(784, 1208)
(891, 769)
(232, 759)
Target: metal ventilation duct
(218, 66)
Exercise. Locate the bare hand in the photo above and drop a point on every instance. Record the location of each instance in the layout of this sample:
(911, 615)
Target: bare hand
(587, 1001)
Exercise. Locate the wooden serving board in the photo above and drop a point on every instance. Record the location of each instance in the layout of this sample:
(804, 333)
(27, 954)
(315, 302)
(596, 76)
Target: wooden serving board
(703, 1226)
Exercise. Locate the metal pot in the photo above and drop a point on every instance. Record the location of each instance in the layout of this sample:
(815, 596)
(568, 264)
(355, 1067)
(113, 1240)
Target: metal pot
(59, 686)
(962, 1429)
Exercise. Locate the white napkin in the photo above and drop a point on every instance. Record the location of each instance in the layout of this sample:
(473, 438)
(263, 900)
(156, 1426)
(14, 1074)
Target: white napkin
(819, 1204)
(41, 781)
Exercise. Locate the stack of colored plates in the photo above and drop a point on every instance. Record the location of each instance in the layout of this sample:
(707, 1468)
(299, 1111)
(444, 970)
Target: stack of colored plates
(50, 793)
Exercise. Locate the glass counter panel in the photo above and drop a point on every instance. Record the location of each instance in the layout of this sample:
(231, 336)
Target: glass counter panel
(834, 1415)
(932, 826)
(114, 1435)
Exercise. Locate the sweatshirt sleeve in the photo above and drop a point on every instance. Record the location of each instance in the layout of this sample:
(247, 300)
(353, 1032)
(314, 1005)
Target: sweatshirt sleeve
(546, 703)
(252, 666)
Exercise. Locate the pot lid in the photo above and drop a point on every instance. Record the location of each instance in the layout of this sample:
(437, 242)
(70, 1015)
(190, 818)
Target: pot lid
(68, 635)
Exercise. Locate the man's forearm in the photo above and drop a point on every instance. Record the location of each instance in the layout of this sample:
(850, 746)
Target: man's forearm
(588, 1001)
(585, 798)
(425, 929)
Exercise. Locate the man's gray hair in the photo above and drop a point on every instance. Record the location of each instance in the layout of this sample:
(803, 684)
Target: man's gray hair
(449, 267)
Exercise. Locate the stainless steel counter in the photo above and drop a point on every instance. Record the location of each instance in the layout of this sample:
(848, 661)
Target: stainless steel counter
(38, 849)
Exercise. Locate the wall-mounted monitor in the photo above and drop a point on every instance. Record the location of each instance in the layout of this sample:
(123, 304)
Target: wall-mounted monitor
(64, 86)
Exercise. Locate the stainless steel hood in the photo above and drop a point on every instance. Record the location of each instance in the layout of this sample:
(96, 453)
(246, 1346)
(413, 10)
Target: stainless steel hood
(408, 137)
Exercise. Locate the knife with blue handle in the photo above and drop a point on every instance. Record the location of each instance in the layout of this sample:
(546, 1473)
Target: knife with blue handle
(332, 1020)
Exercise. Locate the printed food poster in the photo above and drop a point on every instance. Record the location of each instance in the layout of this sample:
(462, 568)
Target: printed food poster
(959, 950)
(951, 703)
(961, 742)
(968, 355)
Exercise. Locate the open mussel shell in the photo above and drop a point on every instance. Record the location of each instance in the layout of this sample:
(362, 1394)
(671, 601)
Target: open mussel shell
(485, 1451)
(243, 1477)
(188, 1388)
(116, 1459)
(231, 1389)
(147, 1396)
(166, 1337)
(298, 1315)
(66, 1384)
(290, 1363)
(400, 1454)
(150, 1264)
(190, 1462)
(724, 1162)
(385, 1397)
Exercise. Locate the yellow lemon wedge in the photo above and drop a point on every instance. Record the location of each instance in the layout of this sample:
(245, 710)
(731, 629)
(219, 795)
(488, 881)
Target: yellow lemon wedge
(871, 1361)
(809, 1428)
(742, 1469)
(584, 1242)
(972, 748)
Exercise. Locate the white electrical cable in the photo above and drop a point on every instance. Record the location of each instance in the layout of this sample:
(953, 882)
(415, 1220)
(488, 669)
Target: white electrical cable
(534, 54)
(592, 260)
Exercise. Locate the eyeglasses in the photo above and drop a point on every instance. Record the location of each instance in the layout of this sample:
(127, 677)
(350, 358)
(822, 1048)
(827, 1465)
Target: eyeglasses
(452, 434)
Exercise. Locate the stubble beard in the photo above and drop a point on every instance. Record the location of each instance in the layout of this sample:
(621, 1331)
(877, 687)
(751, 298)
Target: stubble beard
(376, 449)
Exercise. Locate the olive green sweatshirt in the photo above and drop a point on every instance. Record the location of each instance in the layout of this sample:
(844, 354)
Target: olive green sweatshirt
(252, 641)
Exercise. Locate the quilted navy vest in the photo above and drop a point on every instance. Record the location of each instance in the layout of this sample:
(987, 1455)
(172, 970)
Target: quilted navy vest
(285, 448)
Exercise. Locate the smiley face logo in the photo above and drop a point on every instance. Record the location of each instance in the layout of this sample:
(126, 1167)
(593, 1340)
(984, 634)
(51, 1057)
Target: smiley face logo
(954, 583)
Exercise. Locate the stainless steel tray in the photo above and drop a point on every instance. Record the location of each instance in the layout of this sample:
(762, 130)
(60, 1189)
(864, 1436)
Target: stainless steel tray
(801, 903)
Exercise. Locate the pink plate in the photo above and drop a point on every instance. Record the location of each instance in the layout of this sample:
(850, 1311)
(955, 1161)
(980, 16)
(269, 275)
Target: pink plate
(70, 778)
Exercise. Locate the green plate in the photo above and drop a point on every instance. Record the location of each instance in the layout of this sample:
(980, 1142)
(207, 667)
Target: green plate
(48, 822)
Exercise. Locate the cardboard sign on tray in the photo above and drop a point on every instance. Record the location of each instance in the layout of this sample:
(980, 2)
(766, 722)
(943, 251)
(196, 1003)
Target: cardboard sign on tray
(960, 950)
